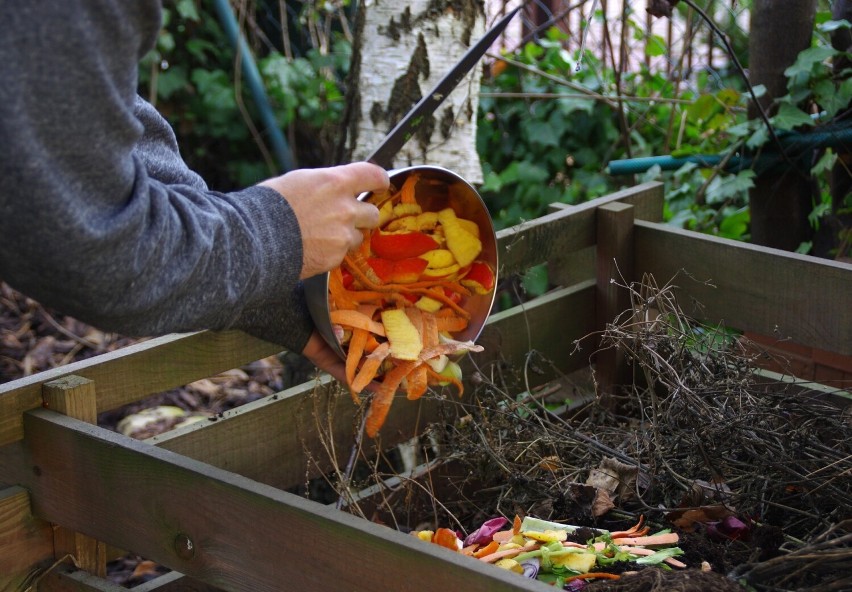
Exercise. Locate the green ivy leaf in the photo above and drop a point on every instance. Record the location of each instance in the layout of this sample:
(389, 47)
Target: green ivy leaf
(725, 187)
(825, 163)
(491, 182)
(826, 95)
(171, 80)
(655, 46)
(790, 117)
(532, 51)
(187, 9)
(734, 226)
(809, 58)
(541, 133)
(702, 108)
(729, 97)
(529, 173)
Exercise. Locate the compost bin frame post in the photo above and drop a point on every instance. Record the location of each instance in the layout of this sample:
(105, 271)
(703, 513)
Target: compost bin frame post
(207, 499)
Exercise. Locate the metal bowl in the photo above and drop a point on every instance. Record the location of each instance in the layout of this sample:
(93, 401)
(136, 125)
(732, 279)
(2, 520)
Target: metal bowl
(437, 188)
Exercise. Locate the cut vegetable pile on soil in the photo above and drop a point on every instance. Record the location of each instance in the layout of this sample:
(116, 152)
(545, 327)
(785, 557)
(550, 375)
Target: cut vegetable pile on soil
(556, 554)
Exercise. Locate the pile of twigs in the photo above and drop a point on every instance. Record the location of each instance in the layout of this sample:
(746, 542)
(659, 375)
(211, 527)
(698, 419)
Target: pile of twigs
(700, 436)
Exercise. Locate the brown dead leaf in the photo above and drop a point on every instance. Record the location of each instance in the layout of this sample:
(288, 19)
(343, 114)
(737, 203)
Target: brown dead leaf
(686, 519)
(145, 568)
(602, 503)
(615, 477)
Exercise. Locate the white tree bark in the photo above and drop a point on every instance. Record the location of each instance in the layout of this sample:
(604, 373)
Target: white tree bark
(405, 49)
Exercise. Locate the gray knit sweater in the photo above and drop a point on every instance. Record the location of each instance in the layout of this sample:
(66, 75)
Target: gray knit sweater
(100, 218)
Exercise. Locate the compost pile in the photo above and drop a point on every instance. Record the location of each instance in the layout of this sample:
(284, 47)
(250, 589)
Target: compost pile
(756, 478)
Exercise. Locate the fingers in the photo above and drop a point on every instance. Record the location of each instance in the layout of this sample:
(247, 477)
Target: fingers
(323, 357)
(330, 217)
(368, 176)
(356, 237)
(366, 216)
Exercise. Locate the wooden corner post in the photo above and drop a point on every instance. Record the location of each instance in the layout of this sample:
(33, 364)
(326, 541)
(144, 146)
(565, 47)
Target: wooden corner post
(614, 268)
(74, 396)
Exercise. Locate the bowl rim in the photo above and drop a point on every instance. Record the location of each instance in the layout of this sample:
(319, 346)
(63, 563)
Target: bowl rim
(316, 287)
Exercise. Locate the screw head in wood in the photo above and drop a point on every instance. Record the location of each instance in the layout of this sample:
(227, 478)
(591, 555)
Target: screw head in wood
(184, 547)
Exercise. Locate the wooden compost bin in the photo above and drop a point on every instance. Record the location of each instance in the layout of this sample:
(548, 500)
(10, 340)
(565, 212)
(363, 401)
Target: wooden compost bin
(208, 500)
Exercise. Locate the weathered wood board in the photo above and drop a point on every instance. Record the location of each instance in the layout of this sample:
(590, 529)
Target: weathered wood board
(131, 373)
(751, 288)
(222, 528)
(25, 541)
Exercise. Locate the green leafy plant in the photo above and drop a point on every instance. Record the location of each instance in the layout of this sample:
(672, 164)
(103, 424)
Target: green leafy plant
(539, 150)
(191, 77)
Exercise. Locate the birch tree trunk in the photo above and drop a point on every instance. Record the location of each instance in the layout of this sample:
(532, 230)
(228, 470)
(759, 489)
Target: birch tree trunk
(402, 51)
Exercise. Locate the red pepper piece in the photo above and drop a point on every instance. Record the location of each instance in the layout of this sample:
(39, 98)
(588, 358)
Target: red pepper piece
(402, 245)
(348, 278)
(453, 295)
(480, 278)
(403, 271)
(382, 267)
(407, 271)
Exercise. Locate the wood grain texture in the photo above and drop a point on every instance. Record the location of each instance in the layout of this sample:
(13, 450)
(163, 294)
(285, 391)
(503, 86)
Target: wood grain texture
(65, 580)
(614, 269)
(246, 536)
(548, 325)
(548, 238)
(751, 288)
(75, 397)
(25, 541)
(134, 372)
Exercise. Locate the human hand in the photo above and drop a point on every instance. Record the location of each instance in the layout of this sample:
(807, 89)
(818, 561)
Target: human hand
(323, 357)
(330, 217)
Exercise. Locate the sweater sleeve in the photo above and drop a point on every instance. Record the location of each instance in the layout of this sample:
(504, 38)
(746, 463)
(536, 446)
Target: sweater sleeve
(99, 216)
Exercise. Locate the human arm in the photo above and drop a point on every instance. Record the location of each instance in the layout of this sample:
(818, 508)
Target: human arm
(100, 219)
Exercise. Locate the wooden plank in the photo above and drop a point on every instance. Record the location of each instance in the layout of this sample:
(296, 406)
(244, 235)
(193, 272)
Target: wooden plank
(294, 446)
(614, 270)
(549, 237)
(549, 326)
(75, 397)
(25, 542)
(302, 429)
(752, 288)
(572, 267)
(174, 582)
(66, 579)
(799, 387)
(131, 373)
(244, 535)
